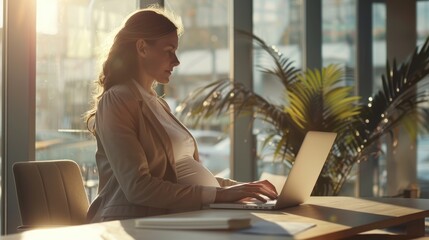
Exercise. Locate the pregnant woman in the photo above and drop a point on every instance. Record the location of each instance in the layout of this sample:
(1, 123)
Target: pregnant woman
(147, 160)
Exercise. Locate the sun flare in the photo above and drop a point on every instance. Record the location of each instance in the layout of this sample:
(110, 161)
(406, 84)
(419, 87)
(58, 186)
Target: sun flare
(47, 16)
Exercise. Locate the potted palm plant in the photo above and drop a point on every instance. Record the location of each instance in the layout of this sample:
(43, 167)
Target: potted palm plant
(314, 99)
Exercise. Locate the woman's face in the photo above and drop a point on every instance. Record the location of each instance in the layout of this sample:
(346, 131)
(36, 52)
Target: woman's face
(160, 58)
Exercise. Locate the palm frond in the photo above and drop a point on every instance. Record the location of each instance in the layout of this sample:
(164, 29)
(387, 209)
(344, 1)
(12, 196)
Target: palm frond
(398, 97)
(284, 70)
(317, 100)
(318, 103)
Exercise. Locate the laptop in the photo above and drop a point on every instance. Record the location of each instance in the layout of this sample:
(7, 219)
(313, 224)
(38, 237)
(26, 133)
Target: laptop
(302, 177)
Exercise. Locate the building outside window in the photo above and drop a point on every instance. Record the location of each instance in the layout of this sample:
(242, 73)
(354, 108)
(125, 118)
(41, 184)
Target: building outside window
(339, 35)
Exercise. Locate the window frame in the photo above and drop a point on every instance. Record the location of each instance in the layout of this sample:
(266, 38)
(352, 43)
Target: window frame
(18, 105)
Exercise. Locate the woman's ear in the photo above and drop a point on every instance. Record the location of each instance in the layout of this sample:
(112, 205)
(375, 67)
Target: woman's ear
(141, 47)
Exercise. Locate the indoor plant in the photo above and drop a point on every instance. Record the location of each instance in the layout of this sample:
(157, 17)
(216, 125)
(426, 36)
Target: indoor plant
(314, 100)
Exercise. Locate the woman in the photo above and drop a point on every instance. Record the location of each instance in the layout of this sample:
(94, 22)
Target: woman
(147, 160)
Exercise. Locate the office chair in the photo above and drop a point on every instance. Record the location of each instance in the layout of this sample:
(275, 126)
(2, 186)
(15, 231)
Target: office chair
(50, 193)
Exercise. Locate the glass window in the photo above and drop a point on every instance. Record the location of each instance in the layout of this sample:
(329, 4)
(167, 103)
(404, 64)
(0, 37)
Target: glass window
(379, 63)
(278, 23)
(339, 48)
(204, 56)
(379, 54)
(339, 34)
(379, 57)
(423, 140)
(69, 34)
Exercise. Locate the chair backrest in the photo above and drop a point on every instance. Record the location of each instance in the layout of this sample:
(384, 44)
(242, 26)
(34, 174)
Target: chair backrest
(50, 193)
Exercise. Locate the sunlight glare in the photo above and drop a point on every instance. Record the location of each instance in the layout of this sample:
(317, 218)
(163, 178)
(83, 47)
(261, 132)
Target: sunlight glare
(1, 14)
(47, 16)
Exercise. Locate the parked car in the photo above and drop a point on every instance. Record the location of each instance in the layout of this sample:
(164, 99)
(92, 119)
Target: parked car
(53, 144)
(208, 141)
(207, 138)
(216, 157)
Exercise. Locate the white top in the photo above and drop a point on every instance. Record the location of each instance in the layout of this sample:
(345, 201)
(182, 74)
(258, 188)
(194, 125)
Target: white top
(189, 171)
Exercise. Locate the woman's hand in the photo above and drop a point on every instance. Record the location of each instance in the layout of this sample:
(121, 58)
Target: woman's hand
(257, 189)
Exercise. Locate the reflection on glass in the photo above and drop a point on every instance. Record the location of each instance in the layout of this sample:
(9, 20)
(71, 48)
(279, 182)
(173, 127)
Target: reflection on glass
(69, 35)
(204, 57)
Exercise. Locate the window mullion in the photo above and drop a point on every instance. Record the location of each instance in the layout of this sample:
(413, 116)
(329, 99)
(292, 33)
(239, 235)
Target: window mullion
(18, 100)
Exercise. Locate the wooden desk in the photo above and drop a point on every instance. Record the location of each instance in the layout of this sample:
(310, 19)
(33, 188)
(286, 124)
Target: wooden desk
(336, 218)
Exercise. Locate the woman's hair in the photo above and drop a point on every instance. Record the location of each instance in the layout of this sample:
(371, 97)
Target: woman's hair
(120, 62)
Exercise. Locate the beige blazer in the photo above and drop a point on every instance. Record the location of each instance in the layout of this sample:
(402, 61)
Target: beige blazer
(135, 161)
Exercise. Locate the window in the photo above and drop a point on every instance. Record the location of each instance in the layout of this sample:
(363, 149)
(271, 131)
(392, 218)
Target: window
(339, 34)
(379, 54)
(379, 57)
(204, 56)
(278, 23)
(423, 140)
(69, 37)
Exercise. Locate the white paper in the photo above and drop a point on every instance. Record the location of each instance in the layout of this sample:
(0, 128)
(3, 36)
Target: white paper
(277, 228)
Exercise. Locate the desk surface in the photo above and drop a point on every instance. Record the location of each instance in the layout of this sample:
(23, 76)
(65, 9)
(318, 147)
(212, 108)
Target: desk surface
(335, 218)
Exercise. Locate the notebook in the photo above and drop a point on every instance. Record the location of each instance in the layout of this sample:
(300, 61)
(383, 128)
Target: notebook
(193, 223)
(301, 179)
